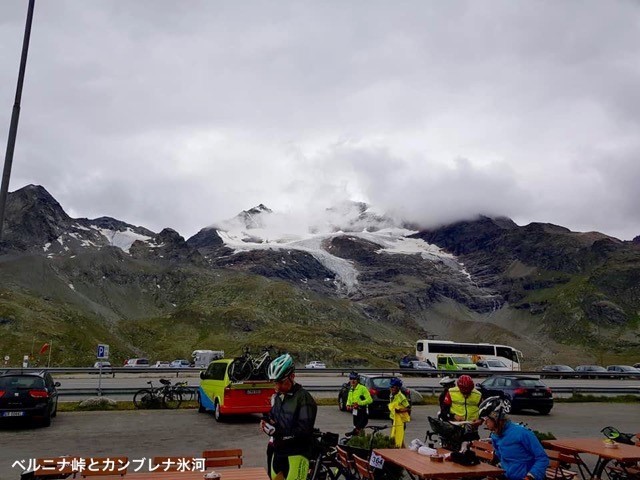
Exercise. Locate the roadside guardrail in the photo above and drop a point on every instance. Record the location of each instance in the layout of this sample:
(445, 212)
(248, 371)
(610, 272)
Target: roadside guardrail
(113, 371)
(430, 390)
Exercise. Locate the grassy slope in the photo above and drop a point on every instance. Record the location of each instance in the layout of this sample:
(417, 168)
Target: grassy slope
(188, 308)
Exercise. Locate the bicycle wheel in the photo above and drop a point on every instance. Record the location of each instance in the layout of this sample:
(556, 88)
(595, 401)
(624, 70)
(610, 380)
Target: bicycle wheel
(264, 369)
(240, 370)
(171, 399)
(143, 398)
(187, 394)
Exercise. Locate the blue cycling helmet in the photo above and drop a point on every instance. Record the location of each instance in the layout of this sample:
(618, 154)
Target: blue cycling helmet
(395, 382)
(354, 376)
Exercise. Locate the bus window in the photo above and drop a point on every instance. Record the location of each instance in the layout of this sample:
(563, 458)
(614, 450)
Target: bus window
(420, 347)
(507, 353)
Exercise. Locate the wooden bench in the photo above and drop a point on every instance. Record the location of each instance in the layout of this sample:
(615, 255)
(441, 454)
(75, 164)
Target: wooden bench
(54, 468)
(363, 468)
(222, 458)
(103, 466)
(173, 464)
(557, 465)
(346, 462)
(484, 451)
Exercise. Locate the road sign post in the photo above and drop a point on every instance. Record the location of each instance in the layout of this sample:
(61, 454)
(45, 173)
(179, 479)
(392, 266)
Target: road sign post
(101, 354)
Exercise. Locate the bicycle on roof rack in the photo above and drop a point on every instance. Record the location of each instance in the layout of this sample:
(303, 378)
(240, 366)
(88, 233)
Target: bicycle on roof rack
(158, 397)
(247, 366)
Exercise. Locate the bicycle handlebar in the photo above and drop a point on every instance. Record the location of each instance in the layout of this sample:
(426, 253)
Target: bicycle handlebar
(377, 428)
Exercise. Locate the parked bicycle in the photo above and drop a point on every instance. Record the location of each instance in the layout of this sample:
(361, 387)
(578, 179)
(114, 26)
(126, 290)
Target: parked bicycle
(363, 448)
(324, 465)
(187, 393)
(157, 397)
(246, 367)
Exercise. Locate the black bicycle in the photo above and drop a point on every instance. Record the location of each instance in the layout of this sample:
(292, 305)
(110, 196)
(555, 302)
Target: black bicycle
(324, 465)
(158, 397)
(187, 393)
(387, 472)
(247, 366)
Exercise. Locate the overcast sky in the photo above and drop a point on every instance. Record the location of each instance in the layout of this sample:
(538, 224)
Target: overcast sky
(182, 113)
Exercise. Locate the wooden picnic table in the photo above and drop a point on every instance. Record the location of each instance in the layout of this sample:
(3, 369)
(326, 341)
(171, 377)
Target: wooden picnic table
(595, 446)
(245, 473)
(423, 467)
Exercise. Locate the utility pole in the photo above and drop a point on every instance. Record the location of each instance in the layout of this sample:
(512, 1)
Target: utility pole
(15, 115)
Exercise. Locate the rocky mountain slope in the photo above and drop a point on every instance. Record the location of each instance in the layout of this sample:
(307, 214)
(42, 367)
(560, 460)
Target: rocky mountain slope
(354, 287)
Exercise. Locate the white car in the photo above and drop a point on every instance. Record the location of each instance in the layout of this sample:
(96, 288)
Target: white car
(181, 363)
(495, 365)
(161, 364)
(315, 364)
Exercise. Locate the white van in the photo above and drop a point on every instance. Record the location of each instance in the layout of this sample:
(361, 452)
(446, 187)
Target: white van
(137, 362)
(202, 358)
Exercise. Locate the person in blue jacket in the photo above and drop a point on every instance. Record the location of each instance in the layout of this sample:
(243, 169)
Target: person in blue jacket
(518, 450)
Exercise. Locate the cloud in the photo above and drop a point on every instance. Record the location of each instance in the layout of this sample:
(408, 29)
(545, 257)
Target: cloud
(167, 115)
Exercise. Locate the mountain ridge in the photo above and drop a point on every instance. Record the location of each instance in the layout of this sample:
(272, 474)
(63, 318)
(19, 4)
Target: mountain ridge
(465, 280)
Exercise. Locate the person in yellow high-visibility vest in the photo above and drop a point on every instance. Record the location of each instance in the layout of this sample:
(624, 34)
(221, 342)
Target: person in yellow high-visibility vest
(464, 400)
(358, 401)
(399, 411)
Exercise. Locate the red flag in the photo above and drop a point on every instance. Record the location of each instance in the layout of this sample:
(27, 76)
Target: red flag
(44, 348)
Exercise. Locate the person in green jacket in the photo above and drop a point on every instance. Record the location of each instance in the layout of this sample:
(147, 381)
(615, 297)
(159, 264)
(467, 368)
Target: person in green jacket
(399, 411)
(357, 403)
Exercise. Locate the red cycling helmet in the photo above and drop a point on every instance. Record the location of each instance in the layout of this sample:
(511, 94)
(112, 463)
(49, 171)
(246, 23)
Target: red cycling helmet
(465, 384)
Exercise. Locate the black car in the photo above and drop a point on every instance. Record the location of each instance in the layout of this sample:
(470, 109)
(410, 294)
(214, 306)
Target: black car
(627, 371)
(595, 369)
(560, 371)
(378, 386)
(518, 393)
(28, 395)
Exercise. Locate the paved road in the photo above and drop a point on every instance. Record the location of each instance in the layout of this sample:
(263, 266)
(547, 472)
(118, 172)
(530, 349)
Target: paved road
(130, 380)
(141, 434)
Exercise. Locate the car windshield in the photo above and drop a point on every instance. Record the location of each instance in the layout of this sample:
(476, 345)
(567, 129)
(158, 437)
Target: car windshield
(462, 360)
(20, 382)
(496, 363)
(381, 382)
(530, 382)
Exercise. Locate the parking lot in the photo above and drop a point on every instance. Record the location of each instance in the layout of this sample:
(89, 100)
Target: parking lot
(139, 434)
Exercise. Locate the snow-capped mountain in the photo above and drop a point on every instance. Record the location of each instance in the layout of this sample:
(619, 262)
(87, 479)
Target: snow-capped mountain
(262, 229)
(262, 270)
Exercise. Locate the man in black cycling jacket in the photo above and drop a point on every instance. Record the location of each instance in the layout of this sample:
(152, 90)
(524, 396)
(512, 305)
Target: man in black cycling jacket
(291, 422)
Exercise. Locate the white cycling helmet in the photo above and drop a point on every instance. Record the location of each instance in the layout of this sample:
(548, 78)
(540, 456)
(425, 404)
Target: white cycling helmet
(281, 367)
(492, 407)
(447, 381)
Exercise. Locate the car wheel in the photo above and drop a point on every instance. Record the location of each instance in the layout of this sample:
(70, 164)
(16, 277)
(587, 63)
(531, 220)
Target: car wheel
(55, 410)
(201, 408)
(544, 411)
(216, 412)
(508, 406)
(341, 403)
(47, 420)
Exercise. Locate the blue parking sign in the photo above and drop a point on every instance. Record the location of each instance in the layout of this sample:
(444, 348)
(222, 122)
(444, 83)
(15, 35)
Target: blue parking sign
(103, 351)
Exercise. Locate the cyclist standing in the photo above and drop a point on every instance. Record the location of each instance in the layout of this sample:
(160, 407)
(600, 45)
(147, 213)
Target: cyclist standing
(357, 401)
(445, 405)
(464, 399)
(291, 421)
(399, 410)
